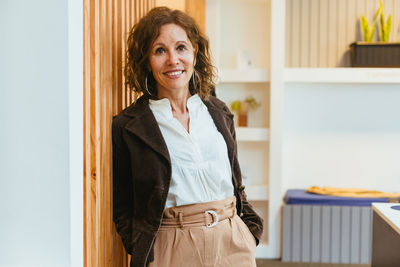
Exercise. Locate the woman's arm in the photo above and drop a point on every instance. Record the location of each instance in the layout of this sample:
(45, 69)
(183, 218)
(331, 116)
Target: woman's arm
(253, 221)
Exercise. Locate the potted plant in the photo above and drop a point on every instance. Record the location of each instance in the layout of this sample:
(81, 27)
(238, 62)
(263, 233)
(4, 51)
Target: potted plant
(376, 54)
(242, 107)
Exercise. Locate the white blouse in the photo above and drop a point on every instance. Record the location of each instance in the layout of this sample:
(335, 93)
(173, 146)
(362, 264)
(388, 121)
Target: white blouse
(201, 171)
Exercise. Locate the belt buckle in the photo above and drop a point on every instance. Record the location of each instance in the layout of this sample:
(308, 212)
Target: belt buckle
(215, 222)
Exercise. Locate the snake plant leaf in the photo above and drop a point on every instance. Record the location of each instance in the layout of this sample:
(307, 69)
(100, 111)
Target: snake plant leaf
(388, 28)
(382, 21)
(363, 24)
(373, 24)
(365, 28)
(382, 9)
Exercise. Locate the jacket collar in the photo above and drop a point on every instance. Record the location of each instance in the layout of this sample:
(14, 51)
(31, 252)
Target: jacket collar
(144, 125)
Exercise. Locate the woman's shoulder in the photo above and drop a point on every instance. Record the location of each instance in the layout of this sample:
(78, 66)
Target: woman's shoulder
(134, 109)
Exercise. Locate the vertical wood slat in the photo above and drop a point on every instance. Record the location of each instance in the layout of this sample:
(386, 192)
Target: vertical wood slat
(197, 10)
(323, 34)
(314, 38)
(296, 26)
(319, 32)
(304, 31)
(106, 23)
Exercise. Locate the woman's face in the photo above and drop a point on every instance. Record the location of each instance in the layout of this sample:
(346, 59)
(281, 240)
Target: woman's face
(172, 60)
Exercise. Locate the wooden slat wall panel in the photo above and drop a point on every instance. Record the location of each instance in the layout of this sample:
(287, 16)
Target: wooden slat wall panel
(106, 24)
(318, 32)
(197, 9)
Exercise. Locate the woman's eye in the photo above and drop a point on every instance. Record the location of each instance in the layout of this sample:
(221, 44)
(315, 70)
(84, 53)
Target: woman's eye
(160, 50)
(181, 47)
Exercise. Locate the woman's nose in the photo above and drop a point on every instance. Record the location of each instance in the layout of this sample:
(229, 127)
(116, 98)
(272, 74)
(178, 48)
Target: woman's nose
(173, 58)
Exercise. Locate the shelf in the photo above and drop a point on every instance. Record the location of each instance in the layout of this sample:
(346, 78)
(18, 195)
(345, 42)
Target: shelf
(342, 75)
(248, 134)
(257, 192)
(243, 75)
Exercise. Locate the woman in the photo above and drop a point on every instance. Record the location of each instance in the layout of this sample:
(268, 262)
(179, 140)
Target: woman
(177, 183)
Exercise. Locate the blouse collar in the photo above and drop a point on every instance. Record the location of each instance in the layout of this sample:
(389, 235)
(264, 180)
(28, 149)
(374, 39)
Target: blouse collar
(163, 105)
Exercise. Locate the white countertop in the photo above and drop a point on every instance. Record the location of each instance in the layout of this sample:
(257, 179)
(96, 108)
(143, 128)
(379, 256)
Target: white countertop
(391, 216)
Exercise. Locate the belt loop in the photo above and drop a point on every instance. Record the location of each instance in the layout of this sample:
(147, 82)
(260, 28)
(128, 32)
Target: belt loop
(180, 217)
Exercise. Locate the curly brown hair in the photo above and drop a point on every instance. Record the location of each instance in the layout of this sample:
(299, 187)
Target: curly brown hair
(140, 40)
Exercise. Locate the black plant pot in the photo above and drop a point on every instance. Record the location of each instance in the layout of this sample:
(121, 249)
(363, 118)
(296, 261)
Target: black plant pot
(375, 54)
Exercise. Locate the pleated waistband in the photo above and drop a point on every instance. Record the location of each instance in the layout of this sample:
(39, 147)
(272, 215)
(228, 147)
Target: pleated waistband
(200, 214)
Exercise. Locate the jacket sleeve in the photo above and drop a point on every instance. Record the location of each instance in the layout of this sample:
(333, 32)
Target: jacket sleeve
(253, 221)
(122, 188)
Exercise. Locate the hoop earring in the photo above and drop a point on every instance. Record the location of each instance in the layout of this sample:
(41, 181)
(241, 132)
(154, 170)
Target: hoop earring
(145, 85)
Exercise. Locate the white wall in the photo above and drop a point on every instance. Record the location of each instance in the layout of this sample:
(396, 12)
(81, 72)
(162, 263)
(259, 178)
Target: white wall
(34, 133)
(342, 135)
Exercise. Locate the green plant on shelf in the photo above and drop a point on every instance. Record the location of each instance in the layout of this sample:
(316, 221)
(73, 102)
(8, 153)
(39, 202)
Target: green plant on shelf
(245, 105)
(242, 107)
(367, 31)
(384, 27)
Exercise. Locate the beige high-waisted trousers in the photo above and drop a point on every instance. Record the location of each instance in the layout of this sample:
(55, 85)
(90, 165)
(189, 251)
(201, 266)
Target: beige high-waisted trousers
(204, 235)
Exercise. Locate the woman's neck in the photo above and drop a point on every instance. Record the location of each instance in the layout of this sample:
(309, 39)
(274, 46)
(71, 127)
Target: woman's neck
(177, 101)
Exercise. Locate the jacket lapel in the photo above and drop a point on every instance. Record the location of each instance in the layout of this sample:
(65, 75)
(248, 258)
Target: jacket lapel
(144, 125)
(223, 121)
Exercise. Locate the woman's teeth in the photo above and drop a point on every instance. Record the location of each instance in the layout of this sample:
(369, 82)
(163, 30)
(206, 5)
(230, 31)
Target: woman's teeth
(174, 73)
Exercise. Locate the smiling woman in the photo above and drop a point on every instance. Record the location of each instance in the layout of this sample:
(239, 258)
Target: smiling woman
(177, 184)
(179, 30)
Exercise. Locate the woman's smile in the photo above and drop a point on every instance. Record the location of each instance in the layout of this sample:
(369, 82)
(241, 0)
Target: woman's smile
(174, 74)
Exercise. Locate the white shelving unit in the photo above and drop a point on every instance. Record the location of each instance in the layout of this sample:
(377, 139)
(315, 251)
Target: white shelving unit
(247, 134)
(277, 85)
(231, 24)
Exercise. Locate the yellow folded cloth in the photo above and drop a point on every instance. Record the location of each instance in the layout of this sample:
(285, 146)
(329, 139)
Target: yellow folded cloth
(350, 192)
